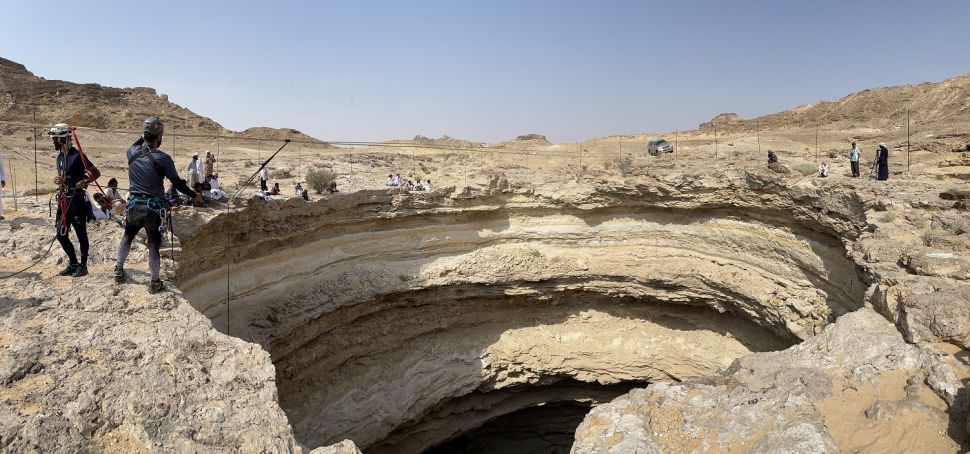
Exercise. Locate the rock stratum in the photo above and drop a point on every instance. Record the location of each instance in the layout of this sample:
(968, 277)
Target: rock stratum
(693, 312)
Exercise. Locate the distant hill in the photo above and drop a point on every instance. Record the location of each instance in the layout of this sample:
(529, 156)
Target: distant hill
(943, 104)
(96, 106)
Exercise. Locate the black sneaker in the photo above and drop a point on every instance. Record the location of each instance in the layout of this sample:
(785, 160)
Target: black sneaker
(120, 276)
(80, 271)
(69, 271)
(155, 287)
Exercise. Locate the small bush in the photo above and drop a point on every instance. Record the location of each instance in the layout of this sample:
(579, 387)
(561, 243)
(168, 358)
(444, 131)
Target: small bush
(535, 252)
(931, 234)
(804, 168)
(623, 164)
(888, 216)
(319, 180)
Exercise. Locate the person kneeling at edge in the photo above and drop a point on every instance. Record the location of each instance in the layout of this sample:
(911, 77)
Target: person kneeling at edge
(74, 173)
(147, 168)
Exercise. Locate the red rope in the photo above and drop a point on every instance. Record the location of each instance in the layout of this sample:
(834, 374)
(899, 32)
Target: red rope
(84, 160)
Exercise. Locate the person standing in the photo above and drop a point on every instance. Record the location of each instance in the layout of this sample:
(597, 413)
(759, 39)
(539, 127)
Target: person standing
(883, 162)
(74, 173)
(147, 168)
(193, 170)
(3, 184)
(209, 165)
(854, 159)
(263, 177)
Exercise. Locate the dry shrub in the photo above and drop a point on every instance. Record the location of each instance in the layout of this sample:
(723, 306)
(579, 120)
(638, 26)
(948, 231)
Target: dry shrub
(623, 164)
(804, 168)
(319, 180)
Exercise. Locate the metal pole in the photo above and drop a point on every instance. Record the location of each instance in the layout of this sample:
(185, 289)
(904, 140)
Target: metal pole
(715, 140)
(36, 178)
(907, 140)
(13, 180)
(758, 126)
(816, 142)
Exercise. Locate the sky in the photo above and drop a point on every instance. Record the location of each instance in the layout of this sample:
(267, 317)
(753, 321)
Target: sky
(488, 70)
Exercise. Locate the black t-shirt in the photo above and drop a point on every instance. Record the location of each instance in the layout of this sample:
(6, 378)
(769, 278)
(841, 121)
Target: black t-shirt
(75, 168)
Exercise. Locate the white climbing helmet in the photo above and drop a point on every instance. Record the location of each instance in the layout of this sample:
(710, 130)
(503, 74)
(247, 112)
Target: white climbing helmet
(60, 130)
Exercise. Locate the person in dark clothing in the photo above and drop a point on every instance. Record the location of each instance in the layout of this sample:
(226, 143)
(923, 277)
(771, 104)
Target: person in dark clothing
(74, 173)
(147, 168)
(883, 163)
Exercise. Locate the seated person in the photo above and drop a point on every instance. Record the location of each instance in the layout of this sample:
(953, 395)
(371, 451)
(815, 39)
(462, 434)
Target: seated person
(390, 180)
(173, 197)
(333, 187)
(100, 207)
(397, 180)
(428, 186)
(298, 190)
(215, 190)
(306, 195)
(198, 188)
(418, 186)
(275, 190)
(112, 190)
(772, 157)
(409, 185)
(823, 169)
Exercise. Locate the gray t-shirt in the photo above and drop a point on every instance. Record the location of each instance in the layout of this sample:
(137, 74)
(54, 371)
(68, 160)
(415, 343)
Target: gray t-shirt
(144, 179)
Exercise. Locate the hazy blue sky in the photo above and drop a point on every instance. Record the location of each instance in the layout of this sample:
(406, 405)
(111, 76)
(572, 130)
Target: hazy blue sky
(489, 70)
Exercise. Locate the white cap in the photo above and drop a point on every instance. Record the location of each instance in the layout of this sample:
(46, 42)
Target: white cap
(882, 144)
(195, 154)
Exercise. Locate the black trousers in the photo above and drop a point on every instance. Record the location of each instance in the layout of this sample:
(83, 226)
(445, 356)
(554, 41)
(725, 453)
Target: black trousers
(262, 184)
(77, 218)
(855, 168)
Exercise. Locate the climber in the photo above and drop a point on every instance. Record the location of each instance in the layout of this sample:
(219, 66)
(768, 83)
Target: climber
(74, 173)
(147, 167)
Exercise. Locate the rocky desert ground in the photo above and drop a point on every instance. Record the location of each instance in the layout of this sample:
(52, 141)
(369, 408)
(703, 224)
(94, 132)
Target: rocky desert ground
(577, 297)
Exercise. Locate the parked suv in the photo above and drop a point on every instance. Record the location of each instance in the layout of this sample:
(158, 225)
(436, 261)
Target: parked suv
(655, 147)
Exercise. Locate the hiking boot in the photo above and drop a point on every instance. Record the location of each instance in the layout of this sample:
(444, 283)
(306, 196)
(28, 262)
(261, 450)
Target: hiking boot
(69, 271)
(120, 276)
(80, 271)
(155, 286)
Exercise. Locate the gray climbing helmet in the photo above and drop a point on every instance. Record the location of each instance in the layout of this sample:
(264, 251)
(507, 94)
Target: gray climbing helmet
(153, 125)
(60, 130)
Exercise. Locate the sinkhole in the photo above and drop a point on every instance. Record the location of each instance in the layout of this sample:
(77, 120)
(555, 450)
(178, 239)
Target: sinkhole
(496, 329)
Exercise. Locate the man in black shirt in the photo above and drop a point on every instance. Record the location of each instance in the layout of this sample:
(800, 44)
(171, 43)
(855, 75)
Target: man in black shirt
(74, 173)
(147, 168)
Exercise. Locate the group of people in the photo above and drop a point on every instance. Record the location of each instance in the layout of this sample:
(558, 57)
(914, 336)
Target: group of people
(396, 181)
(265, 191)
(145, 207)
(881, 162)
(202, 178)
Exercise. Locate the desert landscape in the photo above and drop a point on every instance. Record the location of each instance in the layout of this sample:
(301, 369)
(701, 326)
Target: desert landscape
(543, 297)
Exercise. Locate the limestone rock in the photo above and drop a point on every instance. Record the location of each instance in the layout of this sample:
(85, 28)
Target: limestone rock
(115, 369)
(344, 447)
(858, 384)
